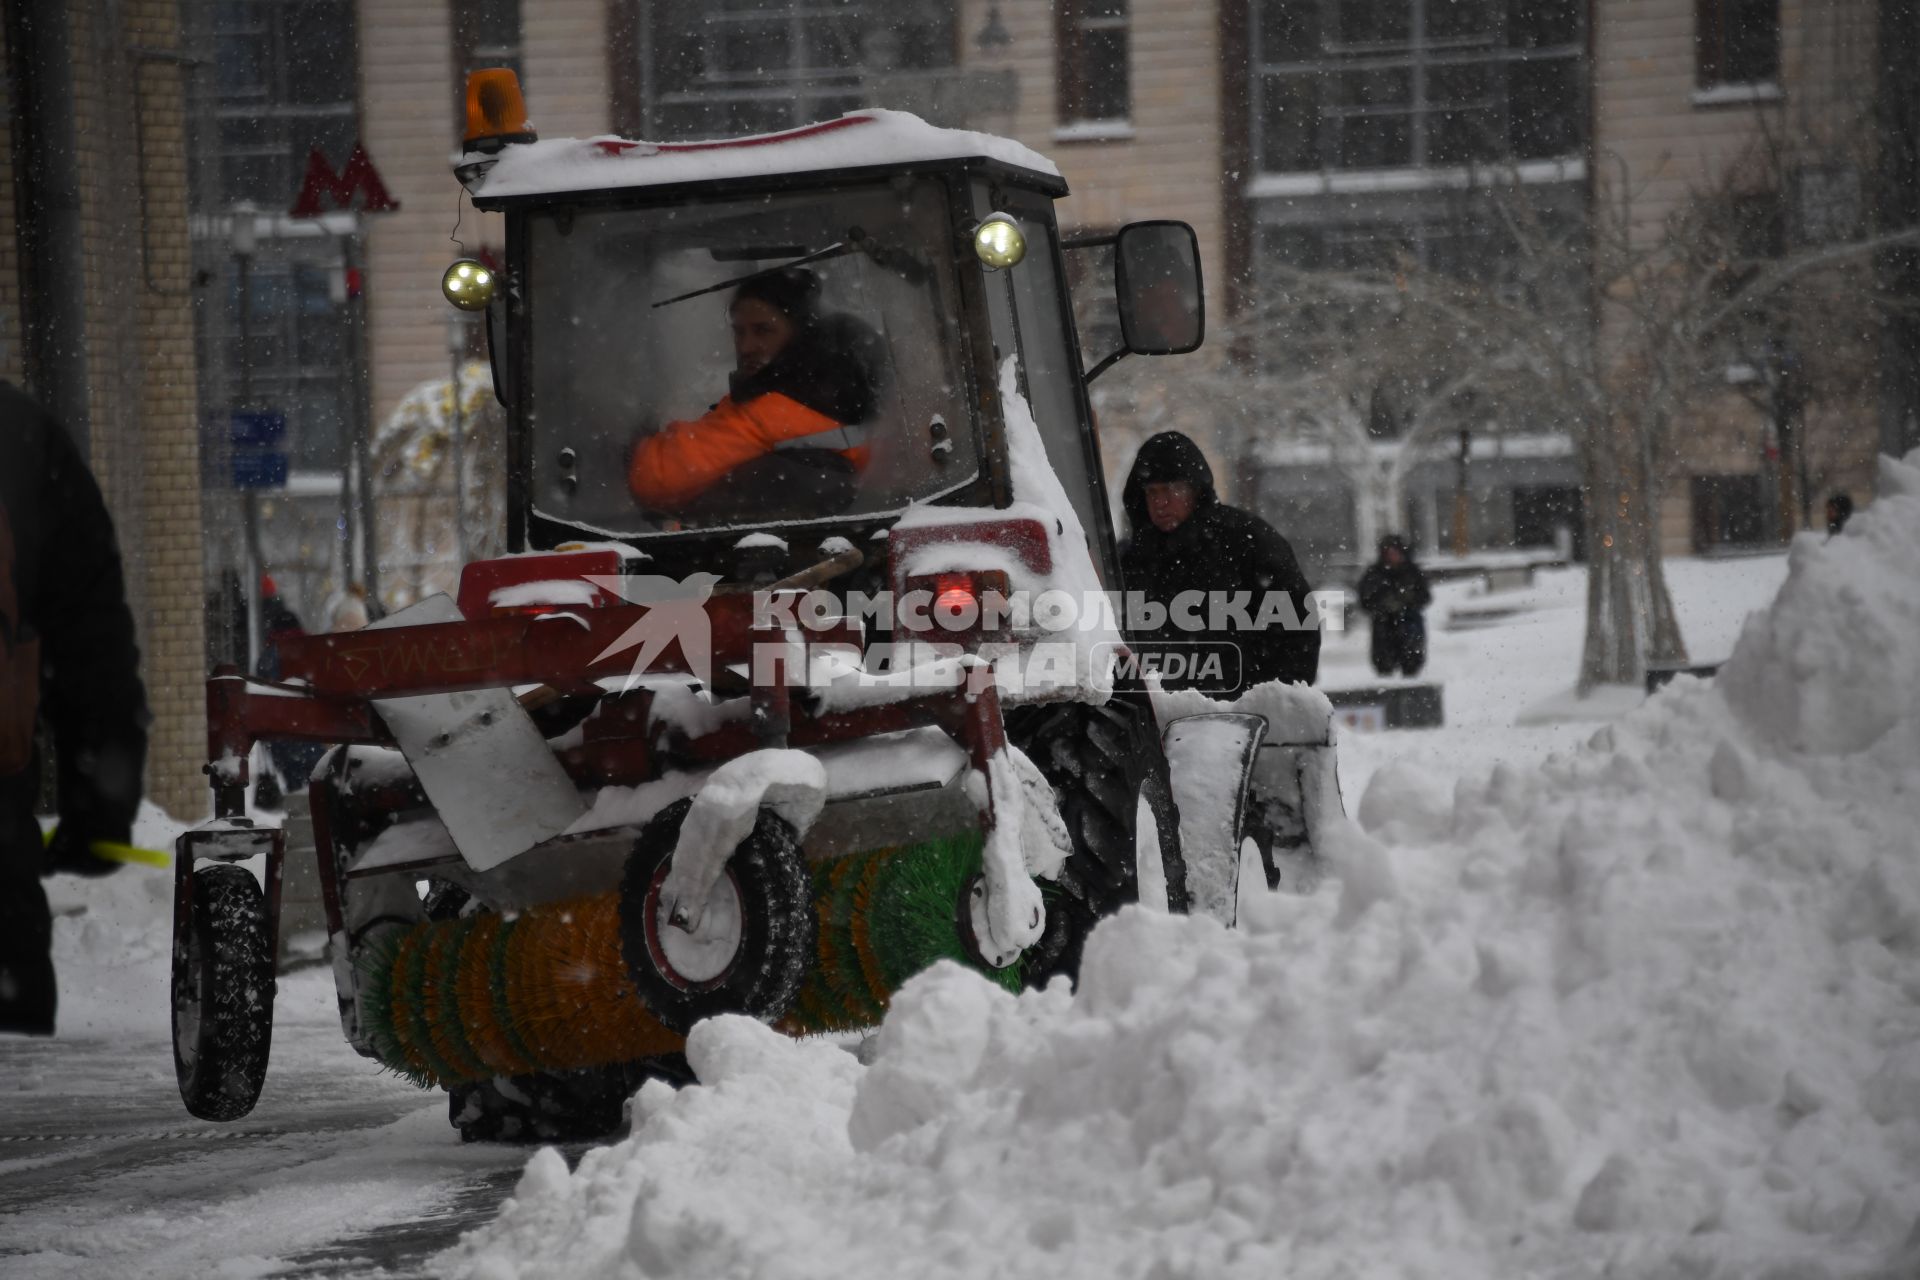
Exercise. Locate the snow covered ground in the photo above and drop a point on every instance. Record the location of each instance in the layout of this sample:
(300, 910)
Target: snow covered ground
(1630, 995)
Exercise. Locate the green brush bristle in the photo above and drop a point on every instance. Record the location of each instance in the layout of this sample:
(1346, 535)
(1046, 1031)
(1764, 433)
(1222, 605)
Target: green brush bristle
(445, 1014)
(502, 1004)
(376, 965)
(420, 1001)
(836, 996)
(374, 971)
(913, 912)
(884, 916)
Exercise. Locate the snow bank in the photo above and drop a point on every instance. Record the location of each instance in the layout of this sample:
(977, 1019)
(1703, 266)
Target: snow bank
(1835, 665)
(113, 939)
(1650, 1009)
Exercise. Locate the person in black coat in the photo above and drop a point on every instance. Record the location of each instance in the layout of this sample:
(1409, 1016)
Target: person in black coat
(67, 657)
(1393, 592)
(1182, 538)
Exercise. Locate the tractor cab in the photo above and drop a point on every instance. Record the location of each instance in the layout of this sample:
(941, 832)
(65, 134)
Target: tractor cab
(906, 270)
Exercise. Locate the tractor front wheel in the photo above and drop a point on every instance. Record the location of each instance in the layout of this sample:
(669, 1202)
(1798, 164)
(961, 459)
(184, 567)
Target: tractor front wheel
(749, 953)
(223, 988)
(1108, 772)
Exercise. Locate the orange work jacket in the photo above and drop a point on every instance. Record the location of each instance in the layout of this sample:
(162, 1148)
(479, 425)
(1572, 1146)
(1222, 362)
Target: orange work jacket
(682, 460)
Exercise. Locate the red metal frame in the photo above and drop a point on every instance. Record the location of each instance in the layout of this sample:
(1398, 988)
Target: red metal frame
(620, 745)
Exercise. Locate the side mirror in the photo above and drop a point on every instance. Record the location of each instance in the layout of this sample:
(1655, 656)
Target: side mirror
(1156, 276)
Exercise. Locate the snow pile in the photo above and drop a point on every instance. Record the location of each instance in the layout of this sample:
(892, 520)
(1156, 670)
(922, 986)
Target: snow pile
(1651, 1009)
(1835, 665)
(113, 939)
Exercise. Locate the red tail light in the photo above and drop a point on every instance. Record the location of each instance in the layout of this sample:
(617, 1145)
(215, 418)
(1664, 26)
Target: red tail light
(954, 592)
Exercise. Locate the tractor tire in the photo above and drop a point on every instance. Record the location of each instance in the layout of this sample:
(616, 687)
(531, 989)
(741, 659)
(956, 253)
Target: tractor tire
(752, 950)
(570, 1106)
(223, 989)
(1102, 761)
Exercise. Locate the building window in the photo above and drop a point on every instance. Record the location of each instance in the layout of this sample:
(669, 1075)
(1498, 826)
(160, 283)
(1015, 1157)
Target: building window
(1736, 42)
(293, 342)
(486, 33)
(713, 68)
(283, 85)
(1386, 84)
(1094, 44)
(284, 79)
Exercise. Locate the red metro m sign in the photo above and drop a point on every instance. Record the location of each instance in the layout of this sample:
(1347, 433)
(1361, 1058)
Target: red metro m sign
(356, 186)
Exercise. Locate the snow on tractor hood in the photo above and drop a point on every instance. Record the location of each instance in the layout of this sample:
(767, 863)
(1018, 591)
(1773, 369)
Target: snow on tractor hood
(857, 139)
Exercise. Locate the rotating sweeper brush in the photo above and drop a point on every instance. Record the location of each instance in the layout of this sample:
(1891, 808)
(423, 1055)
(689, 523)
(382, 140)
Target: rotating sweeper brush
(559, 987)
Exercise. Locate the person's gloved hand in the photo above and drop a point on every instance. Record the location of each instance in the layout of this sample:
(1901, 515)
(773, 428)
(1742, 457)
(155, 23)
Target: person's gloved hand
(70, 850)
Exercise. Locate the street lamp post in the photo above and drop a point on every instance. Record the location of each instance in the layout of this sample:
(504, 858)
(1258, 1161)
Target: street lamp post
(244, 241)
(1462, 511)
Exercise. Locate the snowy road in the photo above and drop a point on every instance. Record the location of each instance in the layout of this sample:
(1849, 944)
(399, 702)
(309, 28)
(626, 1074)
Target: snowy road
(340, 1170)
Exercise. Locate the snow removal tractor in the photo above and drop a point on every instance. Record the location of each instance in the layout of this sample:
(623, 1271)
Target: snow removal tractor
(773, 703)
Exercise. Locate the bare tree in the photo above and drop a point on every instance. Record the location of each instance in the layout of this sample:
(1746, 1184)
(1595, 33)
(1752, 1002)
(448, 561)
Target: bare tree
(1595, 327)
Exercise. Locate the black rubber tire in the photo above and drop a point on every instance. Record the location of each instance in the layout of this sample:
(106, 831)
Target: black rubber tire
(223, 988)
(568, 1106)
(776, 925)
(1101, 761)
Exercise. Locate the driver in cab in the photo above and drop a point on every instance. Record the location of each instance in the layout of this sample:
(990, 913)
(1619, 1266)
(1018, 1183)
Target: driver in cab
(787, 435)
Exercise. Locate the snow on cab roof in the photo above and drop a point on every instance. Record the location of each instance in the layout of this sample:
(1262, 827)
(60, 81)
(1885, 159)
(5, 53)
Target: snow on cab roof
(871, 137)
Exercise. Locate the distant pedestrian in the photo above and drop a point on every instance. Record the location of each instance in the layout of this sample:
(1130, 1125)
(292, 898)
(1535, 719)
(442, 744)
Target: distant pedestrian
(1839, 511)
(1182, 539)
(67, 657)
(347, 610)
(1394, 594)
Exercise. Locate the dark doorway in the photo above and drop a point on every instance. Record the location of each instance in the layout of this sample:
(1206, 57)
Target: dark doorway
(1728, 511)
(1541, 511)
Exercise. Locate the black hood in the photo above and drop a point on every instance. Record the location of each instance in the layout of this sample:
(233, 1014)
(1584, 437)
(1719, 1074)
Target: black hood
(1166, 457)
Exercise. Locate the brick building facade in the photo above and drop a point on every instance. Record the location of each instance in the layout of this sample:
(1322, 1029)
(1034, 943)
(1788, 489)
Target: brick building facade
(1172, 118)
(1786, 122)
(127, 383)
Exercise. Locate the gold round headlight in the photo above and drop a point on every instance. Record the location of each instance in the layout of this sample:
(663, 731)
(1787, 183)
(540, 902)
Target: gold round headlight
(468, 284)
(997, 242)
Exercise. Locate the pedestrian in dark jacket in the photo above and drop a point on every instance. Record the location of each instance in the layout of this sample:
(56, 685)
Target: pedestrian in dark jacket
(1182, 538)
(1839, 511)
(66, 653)
(1393, 592)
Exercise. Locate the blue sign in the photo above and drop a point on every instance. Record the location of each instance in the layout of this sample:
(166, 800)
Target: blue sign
(256, 427)
(264, 469)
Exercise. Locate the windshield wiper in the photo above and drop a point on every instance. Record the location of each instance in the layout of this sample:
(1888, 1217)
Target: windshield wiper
(838, 247)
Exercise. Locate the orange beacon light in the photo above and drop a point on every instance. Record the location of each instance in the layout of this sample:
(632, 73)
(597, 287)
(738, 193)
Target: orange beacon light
(496, 111)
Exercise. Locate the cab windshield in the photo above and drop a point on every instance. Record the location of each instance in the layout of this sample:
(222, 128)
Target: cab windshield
(763, 360)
